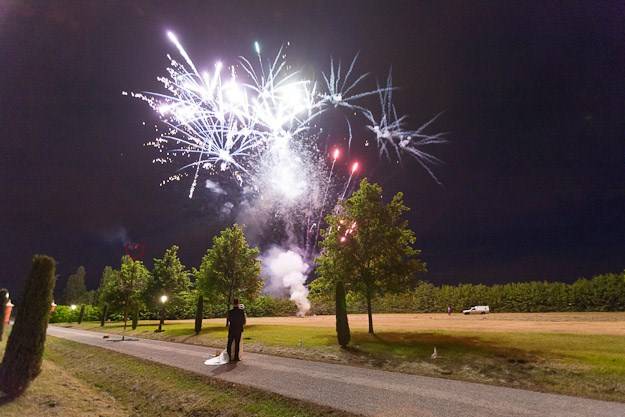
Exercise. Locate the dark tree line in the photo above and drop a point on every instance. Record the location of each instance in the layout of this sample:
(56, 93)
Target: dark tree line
(602, 293)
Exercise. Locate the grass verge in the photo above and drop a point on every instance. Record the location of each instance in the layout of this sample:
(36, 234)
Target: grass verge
(79, 380)
(56, 392)
(149, 389)
(575, 364)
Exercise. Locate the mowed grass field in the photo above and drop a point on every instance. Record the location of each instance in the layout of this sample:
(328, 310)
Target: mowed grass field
(580, 354)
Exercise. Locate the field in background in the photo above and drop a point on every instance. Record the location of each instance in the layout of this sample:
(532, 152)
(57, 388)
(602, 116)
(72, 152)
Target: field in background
(571, 353)
(587, 323)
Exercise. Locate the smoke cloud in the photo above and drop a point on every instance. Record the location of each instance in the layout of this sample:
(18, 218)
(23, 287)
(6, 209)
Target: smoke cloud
(285, 269)
(215, 187)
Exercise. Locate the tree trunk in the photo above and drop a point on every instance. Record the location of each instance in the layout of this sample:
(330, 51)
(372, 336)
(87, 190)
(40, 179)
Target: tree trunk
(199, 314)
(135, 318)
(125, 322)
(82, 314)
(105, 311)
(369, 312)
(342, 325)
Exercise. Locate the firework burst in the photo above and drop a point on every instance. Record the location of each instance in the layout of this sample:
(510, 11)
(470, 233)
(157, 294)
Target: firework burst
(252, 120)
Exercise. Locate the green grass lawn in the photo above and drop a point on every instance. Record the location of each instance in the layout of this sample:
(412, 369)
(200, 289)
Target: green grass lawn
(79, 380)
(576, 364)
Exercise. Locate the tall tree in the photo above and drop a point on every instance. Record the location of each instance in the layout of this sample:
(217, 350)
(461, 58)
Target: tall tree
(123, 290)
(230, 268)
(24, 351)
(169, 277)
(368, 245)
(75, 289)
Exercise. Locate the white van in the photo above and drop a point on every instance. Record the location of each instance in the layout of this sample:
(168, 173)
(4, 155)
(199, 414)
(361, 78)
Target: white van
(477, 310)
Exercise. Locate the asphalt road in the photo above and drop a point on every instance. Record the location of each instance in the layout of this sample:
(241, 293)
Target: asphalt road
(358, 390)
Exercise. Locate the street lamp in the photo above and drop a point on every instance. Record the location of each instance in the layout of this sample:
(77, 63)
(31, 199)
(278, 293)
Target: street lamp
(163, 300)
(73, 306)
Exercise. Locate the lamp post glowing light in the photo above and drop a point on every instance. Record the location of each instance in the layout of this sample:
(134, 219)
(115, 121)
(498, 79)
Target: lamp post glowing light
(163, 299)
(73, 307)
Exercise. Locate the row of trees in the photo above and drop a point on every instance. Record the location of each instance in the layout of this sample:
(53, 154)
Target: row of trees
(604, 292)
(229, 269)
(368, 263)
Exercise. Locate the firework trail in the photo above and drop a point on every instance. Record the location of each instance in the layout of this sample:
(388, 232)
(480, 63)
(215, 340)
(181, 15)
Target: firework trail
(349, 180)
(335, 155)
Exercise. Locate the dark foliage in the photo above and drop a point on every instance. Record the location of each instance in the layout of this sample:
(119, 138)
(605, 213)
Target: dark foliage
(342, 325)
(81, 315)
(4, 299)
(105, 312)
(24, 351)
(199, 314)
(135, 318)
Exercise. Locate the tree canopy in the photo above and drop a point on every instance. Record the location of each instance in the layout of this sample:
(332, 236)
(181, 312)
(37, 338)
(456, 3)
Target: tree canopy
(169, 277)
(230, 268)
(368, 245)
(123, 290)
(75, 289)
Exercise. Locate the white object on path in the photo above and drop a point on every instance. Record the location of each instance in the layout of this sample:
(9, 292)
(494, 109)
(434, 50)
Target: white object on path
(435, 354)
(220, 359)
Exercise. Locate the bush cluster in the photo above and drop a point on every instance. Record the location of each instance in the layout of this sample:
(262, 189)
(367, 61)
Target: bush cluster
(601, 293)
(65, 314)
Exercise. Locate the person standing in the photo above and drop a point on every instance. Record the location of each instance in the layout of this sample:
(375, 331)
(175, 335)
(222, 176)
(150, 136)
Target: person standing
(449, 310)
(236, 323)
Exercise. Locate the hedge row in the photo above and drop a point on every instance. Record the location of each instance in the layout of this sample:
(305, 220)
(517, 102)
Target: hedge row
(601, 293)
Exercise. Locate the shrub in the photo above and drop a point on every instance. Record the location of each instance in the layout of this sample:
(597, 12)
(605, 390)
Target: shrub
(65, 314)
(24, 351)
(268, 306)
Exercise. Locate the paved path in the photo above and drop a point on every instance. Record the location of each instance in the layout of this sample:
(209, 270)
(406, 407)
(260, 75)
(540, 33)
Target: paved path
(357, 390)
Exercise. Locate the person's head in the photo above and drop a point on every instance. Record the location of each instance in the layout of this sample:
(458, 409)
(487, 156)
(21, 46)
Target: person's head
(235, 302)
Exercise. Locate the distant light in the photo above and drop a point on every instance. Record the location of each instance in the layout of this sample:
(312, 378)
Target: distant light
(354, 167)
(164, 299)
(257, 47)
(336, 153)
(73, 307)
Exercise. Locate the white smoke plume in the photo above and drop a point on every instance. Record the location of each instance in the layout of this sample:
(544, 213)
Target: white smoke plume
(215, 187)
(285, 269)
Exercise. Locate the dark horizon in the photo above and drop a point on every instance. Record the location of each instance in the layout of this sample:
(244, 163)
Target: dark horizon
(532, 95)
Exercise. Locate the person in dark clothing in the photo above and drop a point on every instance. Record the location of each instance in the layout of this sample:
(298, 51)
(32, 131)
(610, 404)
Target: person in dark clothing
(235, 323)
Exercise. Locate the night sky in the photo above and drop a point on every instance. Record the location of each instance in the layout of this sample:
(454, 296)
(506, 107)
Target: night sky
(533, 95)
